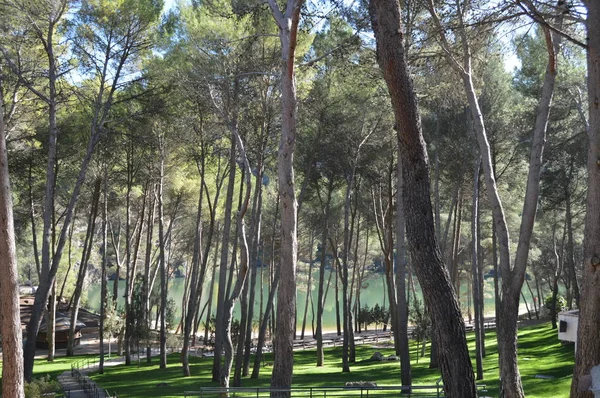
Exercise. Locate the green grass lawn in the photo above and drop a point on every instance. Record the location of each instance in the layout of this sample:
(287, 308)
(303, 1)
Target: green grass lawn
(540, 353)
(43, 368)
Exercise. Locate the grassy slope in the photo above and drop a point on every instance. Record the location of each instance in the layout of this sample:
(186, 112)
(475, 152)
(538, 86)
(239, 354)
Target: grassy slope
(540, 353)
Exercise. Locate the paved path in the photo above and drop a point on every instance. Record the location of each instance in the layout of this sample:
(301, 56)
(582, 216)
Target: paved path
(79, 385)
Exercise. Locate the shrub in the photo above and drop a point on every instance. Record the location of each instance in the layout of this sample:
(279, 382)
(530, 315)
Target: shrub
(40, 386)
(561, 303)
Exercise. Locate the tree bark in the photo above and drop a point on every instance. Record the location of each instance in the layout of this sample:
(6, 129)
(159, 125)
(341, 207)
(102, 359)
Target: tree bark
(441, 300)
(403, 348)
(283, 346)
(588, 335)
(10, 321)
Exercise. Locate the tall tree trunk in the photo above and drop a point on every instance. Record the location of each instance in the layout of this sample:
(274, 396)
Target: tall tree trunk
(104, 263)
(194, 282)
(454, 269)
(264, 323)
(222, 286)
(570, 258)
(403, 347)
(283, 346)
(266, 316)
(10, 322)
(243, 266)
(51, 323)
(441, 300)
(211, 290)
(588, 341)
(146, 288)
(321, 295)
(338, 271)
(556, 276)
(162, 257)
(256, 242)
(512, 275)
(85, 256)
(129, 276)
(475, 270)
(308, 282)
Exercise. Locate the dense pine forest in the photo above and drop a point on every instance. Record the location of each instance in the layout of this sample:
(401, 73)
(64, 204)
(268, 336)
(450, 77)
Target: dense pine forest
(276, 160)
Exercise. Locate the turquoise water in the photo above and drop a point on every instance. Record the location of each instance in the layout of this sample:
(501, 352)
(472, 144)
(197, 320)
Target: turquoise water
(373, 292)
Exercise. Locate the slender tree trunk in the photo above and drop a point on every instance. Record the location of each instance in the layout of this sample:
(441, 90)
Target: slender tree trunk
(264, 323)
(85, 256)
(223, 267)
(243, 268)
(162, 257)
(267, 315)
(475, 270)
(403, 347)
(321, 296)
(256, 242)
(146, 288)
(211, 290)
(194, 282)
(454, 269)
(32, 218)
(433, 276)
(557, 272)
(103, 287)
(308, 283)
(570, 260)
(129, 275)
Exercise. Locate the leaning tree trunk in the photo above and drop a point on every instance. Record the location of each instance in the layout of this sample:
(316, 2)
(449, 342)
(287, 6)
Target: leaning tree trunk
(441, 300)
(10, 323)
(588, 338)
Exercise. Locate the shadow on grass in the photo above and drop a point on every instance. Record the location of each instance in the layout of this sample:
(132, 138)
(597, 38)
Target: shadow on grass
(540, 353)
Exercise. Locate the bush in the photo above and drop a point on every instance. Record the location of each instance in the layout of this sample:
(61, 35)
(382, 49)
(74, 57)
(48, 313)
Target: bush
(561, 303)
(365, 316)
(39, 387)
